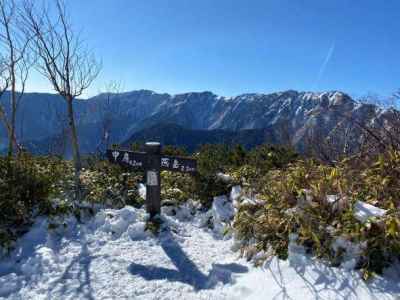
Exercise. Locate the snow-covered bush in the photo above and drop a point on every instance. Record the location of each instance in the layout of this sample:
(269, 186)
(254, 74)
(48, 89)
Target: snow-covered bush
(211, 160)
(111, 185)
(26, 184)
(31, 186)
(220, 167)
(319, 203)
(176, 187)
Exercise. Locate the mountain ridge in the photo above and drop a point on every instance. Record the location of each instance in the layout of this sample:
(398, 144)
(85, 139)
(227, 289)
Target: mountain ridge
(294, 113)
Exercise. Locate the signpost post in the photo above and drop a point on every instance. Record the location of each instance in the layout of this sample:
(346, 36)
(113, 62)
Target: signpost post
(152, 162)
(152, 174)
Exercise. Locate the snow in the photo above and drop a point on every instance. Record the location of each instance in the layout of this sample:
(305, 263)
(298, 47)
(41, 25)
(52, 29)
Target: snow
(222, 209)
(236, 192)
(301, 277)
(9, 283)
(351, 254)
(224, 177)
(142, 190)
(364, 211)
(332, 199)
(309, 279)
(306, 200)
(116, 222)
(112, 256)
(337, 203)
(235, 196)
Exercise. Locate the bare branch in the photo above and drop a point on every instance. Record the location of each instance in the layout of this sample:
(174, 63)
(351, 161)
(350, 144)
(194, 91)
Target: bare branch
(62, 59)
(14, 45)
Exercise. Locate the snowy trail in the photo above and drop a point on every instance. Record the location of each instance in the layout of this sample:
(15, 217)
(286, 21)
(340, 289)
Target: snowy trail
(112, 257)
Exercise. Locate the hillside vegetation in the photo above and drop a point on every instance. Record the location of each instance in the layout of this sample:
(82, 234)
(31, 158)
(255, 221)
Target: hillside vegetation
(283, 194)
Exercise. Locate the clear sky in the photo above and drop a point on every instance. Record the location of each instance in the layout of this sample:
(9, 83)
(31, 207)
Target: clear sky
(236, 46)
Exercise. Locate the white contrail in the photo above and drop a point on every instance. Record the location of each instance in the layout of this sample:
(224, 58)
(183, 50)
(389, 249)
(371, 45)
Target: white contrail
(324, 64)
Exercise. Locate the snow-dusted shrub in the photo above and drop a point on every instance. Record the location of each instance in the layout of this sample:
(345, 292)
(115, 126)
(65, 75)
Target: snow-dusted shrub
(26, 184)
(379, 180)
(104, 184)
(220, 167)
(268, 157)
(174, 150)
(299, 200)
(211, 160)
(176, 187)
(206, 187)
(111, 185)
(30, 186)
(264, 226)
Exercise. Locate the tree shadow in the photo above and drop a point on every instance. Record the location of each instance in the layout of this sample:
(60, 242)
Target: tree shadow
(79, 269)
(320, 279)
(187, 272)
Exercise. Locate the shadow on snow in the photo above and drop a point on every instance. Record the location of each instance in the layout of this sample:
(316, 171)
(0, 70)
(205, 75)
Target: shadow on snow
(187, 272)
(318, 279)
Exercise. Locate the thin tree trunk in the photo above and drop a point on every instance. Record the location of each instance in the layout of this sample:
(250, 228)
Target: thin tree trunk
(8, 128)
(13, 105)
(13, 121)
(75, 148)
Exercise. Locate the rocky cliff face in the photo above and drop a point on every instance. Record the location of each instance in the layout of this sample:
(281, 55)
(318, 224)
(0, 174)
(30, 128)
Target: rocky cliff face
(291, 117)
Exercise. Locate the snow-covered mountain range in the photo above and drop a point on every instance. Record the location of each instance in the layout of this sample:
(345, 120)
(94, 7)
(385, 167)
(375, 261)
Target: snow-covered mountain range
(288, 116)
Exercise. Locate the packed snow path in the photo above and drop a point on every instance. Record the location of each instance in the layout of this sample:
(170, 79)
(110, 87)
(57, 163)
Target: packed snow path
(112, 257)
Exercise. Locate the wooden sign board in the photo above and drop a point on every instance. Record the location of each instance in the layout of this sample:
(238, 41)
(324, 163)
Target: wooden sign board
(127, 158)
(178, 164)
(138, 160)
(152, 162)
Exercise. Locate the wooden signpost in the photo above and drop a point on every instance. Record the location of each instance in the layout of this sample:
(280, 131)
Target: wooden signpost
(152, 162)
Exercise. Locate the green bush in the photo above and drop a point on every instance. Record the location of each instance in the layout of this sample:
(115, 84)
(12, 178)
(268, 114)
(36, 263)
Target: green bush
(238, 156)
(212, 159)
(111, 185)
(266, 157)
(31, 186)
(25, 185)
(293, 200)
(174, 151)
(176, 187)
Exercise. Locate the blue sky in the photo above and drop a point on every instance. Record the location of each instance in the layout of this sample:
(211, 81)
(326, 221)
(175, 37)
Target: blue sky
(231, 47)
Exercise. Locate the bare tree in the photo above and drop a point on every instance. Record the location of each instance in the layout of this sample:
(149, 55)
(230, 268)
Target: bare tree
(316, 144)
(381, 128)
(375, 131)
(4, 85)
(57, 143)
(108, 110)
(64, 60)
(15, 65)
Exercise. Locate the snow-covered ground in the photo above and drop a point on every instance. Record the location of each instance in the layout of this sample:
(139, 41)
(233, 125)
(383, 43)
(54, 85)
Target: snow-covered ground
(112, 257)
